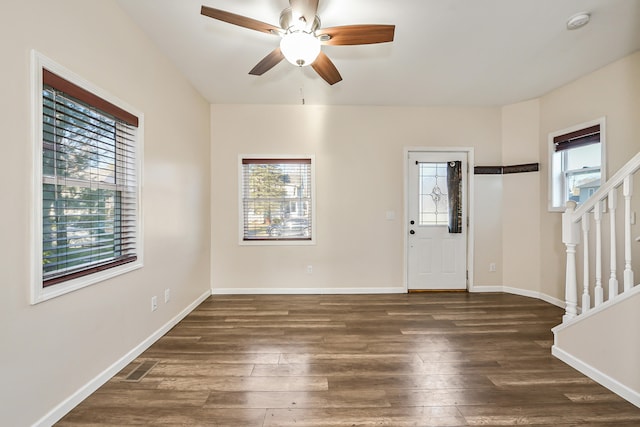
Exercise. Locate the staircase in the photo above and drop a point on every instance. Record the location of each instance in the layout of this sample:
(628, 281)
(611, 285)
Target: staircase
(599, 334)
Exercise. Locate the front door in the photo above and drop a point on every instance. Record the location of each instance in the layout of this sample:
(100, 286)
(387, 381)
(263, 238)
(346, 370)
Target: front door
(437, 220)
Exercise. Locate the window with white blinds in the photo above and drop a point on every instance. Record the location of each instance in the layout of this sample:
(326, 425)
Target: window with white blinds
(89, 183)
(277, 203)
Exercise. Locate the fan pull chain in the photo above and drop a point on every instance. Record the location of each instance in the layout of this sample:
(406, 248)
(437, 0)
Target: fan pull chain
(301, 79)
(301, 86)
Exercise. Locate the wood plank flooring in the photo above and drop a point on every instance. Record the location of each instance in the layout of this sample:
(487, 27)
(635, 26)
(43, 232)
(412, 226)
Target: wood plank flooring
(424, 359)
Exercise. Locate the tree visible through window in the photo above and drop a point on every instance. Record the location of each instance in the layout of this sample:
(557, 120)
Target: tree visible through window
(276, 199)
(89, 183)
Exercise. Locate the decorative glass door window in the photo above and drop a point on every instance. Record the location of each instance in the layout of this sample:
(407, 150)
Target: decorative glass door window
(433, 190)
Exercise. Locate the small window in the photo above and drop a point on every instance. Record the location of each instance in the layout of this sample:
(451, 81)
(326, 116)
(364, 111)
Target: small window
(88, 226)
(440, 192)
(434, 201)
(577, 164)
(277, 200)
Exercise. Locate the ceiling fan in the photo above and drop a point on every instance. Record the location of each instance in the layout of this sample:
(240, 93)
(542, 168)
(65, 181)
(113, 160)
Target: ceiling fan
(301, 37)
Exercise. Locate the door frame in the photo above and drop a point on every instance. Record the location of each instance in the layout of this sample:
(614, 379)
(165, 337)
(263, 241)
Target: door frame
(470, 208)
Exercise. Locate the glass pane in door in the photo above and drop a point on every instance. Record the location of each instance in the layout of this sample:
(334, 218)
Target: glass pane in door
(433, 203)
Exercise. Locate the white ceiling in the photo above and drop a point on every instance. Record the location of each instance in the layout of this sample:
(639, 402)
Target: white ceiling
(445, 52)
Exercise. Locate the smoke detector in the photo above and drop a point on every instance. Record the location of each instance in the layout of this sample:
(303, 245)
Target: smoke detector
(578, 20)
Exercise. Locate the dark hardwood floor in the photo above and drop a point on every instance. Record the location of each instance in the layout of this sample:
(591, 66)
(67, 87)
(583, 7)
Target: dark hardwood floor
(427, 359)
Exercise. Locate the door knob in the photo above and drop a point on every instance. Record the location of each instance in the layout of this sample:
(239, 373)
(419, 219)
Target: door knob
(412, 232)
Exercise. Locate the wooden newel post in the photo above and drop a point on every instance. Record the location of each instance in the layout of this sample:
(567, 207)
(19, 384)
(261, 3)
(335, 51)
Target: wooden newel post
(570, 238)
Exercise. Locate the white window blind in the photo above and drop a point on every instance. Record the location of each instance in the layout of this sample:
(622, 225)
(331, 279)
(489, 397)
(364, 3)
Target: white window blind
(276, 199)
(89, 188)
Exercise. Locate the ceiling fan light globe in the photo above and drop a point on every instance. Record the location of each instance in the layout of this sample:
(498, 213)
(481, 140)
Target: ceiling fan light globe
(300, 48)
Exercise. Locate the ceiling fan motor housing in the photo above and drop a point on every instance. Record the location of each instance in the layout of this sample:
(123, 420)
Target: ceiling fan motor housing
(291, 21)
(299, 44)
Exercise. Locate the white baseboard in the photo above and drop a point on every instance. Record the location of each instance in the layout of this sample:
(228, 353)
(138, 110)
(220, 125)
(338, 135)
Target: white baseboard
(596, 375)
(518, 291)
(72, 401)
(375, 290)
(307, 291)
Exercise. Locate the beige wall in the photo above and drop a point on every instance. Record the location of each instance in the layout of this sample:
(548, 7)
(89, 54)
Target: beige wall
(608, 343)
(612, 92)
(534, 256)
(489, 216)
(521, 216)
(52, 349)
(359, 177)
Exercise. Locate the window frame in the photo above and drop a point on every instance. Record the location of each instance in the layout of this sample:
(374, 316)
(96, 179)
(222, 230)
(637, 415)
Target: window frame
(280, 241)
(39, 292)
(436, 223)
(556, 199)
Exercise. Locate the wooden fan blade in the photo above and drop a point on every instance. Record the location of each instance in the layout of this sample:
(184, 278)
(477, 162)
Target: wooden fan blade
(325, 68)
(268, 62)
(358, 34)
(306, 8)
(239, 20)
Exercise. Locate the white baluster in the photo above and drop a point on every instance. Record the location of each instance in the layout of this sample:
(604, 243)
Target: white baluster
(586, 298)
(613, 281)
(570, 237)
(597, 216)
(627, 189)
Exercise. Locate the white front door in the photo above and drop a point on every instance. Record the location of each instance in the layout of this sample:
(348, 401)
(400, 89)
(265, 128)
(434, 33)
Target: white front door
(437, 223)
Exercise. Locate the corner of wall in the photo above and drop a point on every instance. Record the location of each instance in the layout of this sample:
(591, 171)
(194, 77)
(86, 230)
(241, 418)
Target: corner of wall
(521, 201)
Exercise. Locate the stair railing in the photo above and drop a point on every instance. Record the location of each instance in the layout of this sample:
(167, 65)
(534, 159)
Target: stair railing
(576, 230)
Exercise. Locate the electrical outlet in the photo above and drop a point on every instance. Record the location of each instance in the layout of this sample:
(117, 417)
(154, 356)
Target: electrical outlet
(309, 269)
(492, 267)
(154, 303)
(167, 295)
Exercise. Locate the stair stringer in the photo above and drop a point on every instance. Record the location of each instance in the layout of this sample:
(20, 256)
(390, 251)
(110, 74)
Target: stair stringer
(604, 344)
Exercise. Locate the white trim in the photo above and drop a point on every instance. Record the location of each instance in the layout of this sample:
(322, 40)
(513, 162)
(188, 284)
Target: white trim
(470, 207)
(38, 293)
(518, 291)
(292, 242)
(595, 310)
(82, 393)
(471, 227)
(36, 176)
(598, 376)
(376, 290)
(602, 121)
(308, 291)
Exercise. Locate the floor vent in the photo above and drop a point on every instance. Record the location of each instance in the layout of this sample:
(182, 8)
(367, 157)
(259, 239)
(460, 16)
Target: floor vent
(142, 370)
